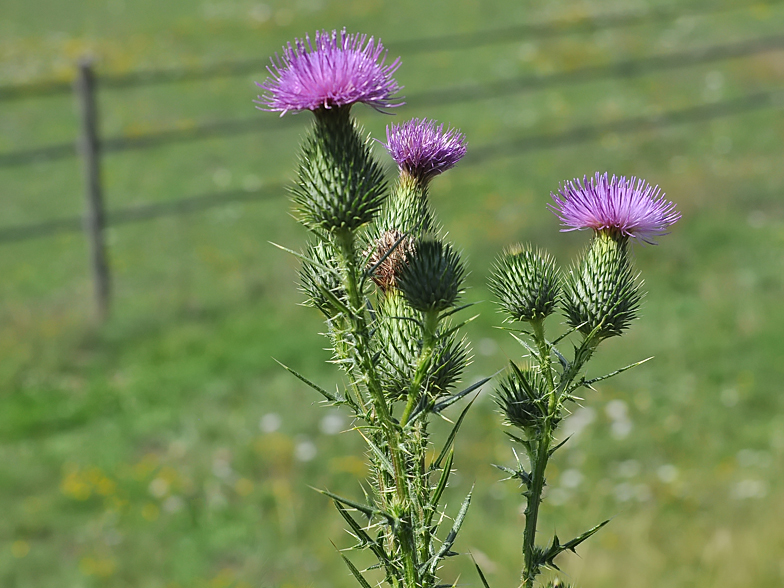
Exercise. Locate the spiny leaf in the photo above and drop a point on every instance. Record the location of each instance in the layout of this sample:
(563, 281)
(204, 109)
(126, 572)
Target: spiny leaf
(585, 382)
(557, 447)
(481, 575)
(355, 572)
(519, 474)
(365, 509)
(328, 395)
(561, 359)
(446, 546)
(547, 556)
(458, 326)
(386, 464)
(451, 438)
(304, 258)
(362, 535)
(525, 344)
(455, 397)
(452, 311)
(439, 489)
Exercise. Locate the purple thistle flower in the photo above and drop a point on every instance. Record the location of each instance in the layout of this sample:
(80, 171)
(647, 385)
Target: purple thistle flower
(423, 149)
(630, 208)
(335, 70)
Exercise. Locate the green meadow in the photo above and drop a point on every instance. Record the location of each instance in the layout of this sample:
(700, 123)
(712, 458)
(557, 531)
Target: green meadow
(166, 448)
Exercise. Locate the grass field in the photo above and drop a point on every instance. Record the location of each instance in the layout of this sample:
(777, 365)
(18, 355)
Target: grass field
(167, 449)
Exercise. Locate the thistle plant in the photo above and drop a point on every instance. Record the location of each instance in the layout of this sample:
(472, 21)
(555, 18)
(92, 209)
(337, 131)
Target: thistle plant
(389, 285)
(599, 297)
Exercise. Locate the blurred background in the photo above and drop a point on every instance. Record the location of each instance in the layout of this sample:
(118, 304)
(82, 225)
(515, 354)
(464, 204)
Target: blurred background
(163, 447)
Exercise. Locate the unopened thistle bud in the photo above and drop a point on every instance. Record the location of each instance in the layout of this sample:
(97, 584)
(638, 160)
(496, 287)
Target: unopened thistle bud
(320, 278)
(525, 281)
(602, 292)
(340, 187)
(433, 278)
(521, 396)
(399, 333)
(390, 253)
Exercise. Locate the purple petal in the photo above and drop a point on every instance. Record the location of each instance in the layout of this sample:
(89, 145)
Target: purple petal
(632, 208)
(423, 149)
(334, 70)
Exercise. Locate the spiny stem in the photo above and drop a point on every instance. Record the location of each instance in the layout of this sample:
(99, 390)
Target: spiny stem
(538, 459)
(534, 498)
(404, 535)
(429, 327)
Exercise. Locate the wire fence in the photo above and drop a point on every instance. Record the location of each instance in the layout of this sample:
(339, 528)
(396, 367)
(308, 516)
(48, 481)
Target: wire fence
(477, 156)
(92, 147)
(452, 42)
(442, 96)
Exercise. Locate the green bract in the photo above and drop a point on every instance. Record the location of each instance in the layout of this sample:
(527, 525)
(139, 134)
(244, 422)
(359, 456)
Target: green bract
(525, 281)
(400, 337)
(601, 292)
(340, 186)
(522, 397)
(433, 277)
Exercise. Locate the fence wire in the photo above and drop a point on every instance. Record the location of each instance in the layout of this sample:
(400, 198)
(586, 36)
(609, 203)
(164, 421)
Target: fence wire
(442, 96)
(452, 42)
(476, 156)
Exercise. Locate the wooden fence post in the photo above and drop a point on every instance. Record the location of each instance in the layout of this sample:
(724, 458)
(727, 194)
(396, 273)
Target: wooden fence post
(94, 217)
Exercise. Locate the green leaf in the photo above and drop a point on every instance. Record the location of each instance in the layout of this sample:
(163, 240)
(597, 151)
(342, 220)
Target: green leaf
(481, 575)
(447, 313)
(451, 438)
(446, 546)
(454, 398)
(525, 344)
(304, 258)
(457, 327)
(557, 447)
(439, 489)
(355, 572)
(328, 395)
(585, 382)
(548, 555)
(365, 509)
(362, 535)
(386, 464)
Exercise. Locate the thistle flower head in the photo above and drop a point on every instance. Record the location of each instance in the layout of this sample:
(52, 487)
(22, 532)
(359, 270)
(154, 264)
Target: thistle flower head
(521, 397)
(628, 208)
(526, 283)
(432, 279)
(424, 150)
(334, 70)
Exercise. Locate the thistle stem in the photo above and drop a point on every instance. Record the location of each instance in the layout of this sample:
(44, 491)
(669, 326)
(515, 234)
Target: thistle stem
(429, 327)
(534, 498)
(539, 459)
(404, 535)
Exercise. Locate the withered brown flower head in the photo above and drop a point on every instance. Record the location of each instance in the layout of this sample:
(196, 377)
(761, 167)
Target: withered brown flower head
(387, 272)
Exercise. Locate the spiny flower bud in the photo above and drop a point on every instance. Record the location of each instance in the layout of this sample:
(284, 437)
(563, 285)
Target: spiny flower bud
(399, 334)
(320, 277)
(602, 292)
(433, 277)
(525, 281)
(407, 209)
(521, 397)
(340, 186)
(390, 253)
